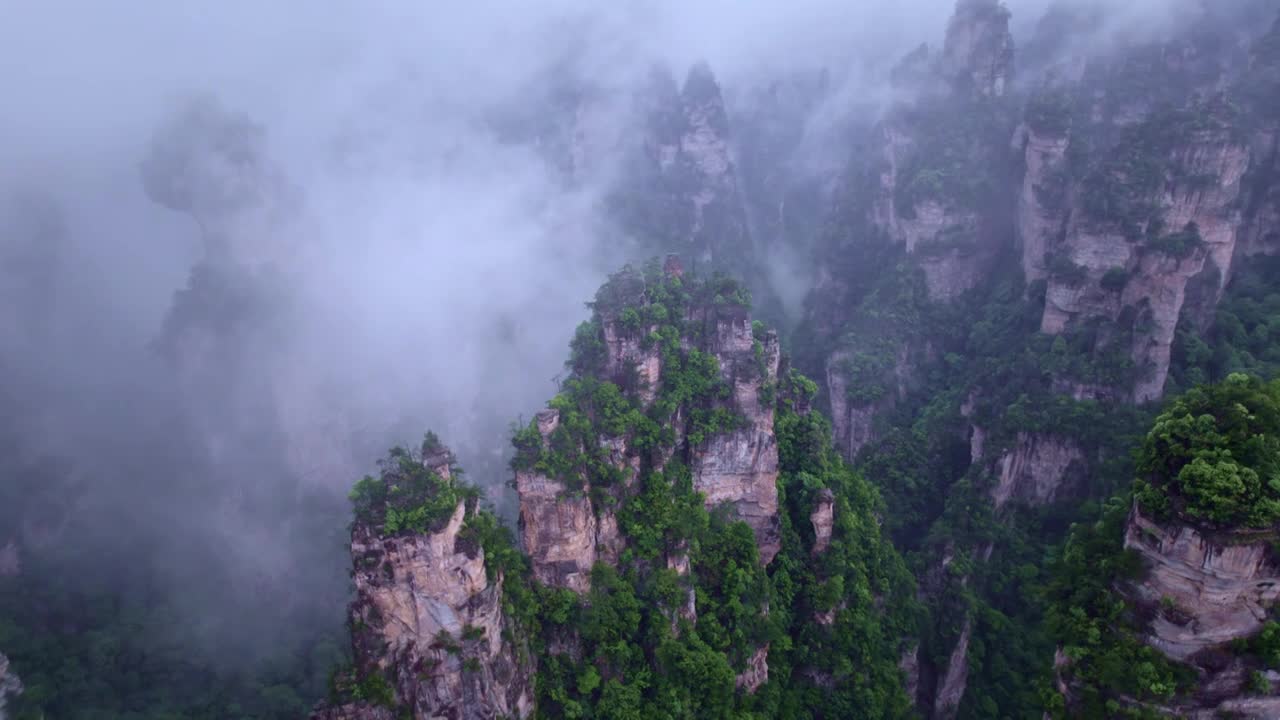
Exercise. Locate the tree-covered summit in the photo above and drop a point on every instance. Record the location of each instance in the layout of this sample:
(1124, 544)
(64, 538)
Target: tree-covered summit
(1213, 457)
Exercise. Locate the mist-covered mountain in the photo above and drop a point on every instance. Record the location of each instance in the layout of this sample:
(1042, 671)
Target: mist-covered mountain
(1026, 251)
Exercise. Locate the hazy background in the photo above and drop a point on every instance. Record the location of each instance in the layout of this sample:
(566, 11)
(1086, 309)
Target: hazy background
(399, 249)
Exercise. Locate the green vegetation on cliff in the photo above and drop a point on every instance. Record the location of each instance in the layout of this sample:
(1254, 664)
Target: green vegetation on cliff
(1210, 458)
(1213, 456)
(639, 651)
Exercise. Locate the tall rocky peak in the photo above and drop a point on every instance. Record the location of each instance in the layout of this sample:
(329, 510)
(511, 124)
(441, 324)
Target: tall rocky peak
(1138, 177)
(686, 351)
(681, 192)
(926, 199)
(978, 53)
(1260, 88)
(1142, 188)
(429, 633)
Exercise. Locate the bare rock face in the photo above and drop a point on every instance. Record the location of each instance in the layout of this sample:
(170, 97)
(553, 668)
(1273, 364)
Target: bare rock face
(740, 467)
(1202, 592)
(852, 421)
(558, 529)
(823, 519)
(683, 191)
(947, 240)
(1195, 197)
(9, 685)
(1035, 470)
(719, 218)
(1041, 214)
(979, 48)
(956, 678)
(429, 620)
(1207, 590)
(757, 672)
(1250, 708)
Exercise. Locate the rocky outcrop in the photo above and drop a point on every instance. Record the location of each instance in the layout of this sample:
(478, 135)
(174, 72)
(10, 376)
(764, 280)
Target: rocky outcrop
(853, 419)
(1036, 470)
(559, 529)
(1206, 589)
(1202, 593)
(823, 519)
(739, 468)
(719, 217)
(681, 192)
(565, 533)
(757, 672)
(1160, 209)
(1041, 210)
(956, 677)
(689, 610)
(1249, 708)
(9, 685)
(978, 54)
(428, 620)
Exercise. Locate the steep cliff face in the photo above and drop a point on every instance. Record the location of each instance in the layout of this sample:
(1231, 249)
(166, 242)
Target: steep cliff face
(739, 468)
(560, 530)
(1205, 591)
(1041, 209)
(566, 530)
(933, 198)
(1185, 578)
(428, 628)
(1036, 470)
(1134, 241)
(651, 491)
(853, 409)
(681, 190)
(822, 519)
(921, 200)
(1202, 601)
(703, 158)
(1145, 175)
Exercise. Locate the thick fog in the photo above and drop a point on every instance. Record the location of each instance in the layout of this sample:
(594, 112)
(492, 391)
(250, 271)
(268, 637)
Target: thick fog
(248, 246)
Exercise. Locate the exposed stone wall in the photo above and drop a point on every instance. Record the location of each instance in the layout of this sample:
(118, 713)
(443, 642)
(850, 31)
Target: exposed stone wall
(1206, 590)
(563, 532)
(429, 620)
(1035, 470)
